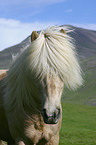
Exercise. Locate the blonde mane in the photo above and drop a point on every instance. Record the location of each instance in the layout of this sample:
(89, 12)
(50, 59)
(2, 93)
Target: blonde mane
(53, 52)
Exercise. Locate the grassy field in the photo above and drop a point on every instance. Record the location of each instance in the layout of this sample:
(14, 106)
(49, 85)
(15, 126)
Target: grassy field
(78, 125)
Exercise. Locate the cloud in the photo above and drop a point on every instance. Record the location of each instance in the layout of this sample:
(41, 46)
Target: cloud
(13, 31)
(68, 11)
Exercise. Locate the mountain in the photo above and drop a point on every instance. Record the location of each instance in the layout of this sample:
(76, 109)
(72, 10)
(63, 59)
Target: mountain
(86, 47)
(6, 54)
(85, 43)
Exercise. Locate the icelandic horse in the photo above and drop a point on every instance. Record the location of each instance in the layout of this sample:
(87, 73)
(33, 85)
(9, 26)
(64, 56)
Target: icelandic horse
(33, 87)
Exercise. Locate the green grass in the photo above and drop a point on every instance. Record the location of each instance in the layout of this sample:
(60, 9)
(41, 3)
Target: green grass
(78, 125)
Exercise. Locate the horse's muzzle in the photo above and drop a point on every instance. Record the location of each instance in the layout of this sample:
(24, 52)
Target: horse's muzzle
(51, 118)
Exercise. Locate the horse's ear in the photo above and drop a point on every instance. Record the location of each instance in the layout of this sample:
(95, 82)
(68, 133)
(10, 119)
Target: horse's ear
(63, 31)
(34, 36)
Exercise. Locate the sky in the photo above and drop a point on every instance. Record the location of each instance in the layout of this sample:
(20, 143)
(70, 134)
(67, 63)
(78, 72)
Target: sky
(18, 18)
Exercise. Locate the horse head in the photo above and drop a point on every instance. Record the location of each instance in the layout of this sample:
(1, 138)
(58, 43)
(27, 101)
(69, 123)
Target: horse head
(51, 90)
(51, 86)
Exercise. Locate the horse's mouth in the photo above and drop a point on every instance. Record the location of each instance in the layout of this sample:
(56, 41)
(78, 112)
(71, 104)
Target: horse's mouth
(52, 119)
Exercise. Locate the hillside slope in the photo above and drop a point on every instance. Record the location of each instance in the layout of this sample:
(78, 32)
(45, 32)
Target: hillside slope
(87, 93)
